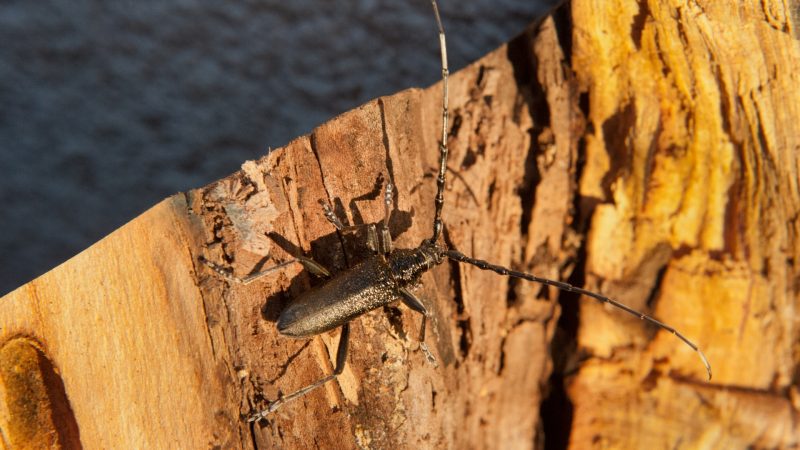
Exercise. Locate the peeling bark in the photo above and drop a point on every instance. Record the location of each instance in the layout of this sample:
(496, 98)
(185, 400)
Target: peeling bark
(491, 335)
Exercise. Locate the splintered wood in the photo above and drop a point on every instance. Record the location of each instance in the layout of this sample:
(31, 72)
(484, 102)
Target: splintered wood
(692, 160)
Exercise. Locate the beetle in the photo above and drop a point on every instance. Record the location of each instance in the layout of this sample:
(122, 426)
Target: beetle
(388, 274)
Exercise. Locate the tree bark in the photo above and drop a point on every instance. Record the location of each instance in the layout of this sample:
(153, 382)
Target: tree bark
(692, 170)
(489, 334)
(642, 149)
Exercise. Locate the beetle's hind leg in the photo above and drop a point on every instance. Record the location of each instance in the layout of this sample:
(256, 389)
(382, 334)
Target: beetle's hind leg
(341, 358)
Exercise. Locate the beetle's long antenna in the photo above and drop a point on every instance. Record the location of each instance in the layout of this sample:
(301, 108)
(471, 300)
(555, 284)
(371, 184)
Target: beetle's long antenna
(452, 254)
(439, 202)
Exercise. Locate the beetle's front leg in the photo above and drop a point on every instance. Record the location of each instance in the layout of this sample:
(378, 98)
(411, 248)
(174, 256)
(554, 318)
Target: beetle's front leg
(378, 242)
(310, 265)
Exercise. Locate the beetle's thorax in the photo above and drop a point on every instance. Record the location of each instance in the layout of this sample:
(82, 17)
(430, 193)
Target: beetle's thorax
(408, 265)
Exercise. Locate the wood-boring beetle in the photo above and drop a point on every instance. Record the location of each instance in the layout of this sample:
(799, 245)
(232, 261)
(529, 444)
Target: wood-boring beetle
(388, 275)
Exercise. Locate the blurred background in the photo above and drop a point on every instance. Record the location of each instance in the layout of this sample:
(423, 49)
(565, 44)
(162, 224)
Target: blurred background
(109, 107)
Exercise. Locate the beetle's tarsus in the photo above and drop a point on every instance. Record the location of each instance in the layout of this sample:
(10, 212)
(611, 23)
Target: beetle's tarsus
(428, 355)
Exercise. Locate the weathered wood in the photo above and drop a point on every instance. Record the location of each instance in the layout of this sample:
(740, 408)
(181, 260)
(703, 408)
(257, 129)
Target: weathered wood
(684, 203)
(692, 162)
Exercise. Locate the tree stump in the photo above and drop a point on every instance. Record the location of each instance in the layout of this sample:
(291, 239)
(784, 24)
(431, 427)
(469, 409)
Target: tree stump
(643, 149)
(692, 173)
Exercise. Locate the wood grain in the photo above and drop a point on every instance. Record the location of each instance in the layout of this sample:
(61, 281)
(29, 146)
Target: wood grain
(124, 327)
(692, 161)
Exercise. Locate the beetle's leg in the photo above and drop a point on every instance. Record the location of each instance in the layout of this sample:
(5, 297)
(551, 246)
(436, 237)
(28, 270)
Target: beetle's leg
(378, 242)
(372, 239)
(372, 235)
(335, 220)
(385, 236)
(413, 302)
(310, 265)
(341, 358)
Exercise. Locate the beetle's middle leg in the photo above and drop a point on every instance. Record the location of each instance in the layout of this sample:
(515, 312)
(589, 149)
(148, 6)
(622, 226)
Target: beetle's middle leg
(413, 302)
(341, 358)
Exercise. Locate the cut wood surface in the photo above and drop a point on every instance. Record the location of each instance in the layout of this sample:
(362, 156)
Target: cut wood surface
(643, 149)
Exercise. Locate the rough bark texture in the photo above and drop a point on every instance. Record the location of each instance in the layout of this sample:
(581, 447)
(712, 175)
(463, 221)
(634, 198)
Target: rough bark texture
(491, 336)
(660, 169)
(692, 167)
